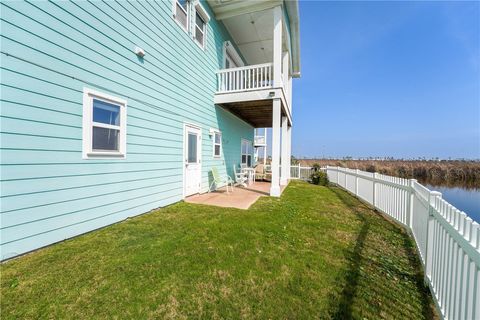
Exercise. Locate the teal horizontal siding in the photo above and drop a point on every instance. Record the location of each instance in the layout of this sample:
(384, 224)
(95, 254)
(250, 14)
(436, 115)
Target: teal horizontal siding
(51, 51)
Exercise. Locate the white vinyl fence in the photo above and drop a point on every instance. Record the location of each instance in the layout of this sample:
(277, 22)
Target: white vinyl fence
(299, 172)
(296, 171)
(447, 239)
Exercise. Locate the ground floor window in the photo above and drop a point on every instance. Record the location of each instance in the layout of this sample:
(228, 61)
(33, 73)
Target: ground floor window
(104, 125)
(247, 153)
(217, 144)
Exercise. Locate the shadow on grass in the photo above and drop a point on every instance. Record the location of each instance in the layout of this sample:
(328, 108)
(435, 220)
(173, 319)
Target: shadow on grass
(414, 260)
(343, 308)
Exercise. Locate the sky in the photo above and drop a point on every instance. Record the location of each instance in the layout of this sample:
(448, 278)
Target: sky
(397, 79)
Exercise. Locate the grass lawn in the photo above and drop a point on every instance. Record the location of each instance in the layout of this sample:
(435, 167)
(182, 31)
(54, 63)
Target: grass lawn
(316, 252)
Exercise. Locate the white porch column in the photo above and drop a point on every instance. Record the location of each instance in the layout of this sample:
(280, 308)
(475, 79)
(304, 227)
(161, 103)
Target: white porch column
(277, 46)
(265, 149)
(289, 150)
(285, 160)
(285, 71)
(275, 187)
(277, 103)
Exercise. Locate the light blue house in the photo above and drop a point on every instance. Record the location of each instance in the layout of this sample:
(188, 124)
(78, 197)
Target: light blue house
(111, 109)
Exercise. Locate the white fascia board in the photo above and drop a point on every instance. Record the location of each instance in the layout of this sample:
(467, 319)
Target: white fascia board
(236, 8)
(292, 10)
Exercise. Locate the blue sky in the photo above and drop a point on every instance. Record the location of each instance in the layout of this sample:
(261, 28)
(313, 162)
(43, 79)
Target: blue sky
(397, 79)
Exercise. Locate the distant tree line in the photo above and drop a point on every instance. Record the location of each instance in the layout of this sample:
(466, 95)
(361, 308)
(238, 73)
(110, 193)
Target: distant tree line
(437, 172)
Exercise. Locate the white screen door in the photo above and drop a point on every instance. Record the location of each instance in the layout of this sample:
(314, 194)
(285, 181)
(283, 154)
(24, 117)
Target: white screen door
(192, 160)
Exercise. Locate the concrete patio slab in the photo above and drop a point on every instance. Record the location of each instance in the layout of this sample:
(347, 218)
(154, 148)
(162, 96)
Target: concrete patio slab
(240, 198)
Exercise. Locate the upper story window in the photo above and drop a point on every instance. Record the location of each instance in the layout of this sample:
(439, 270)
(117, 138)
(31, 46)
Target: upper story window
(180, 12)
(199, 29)
(104, 125)
(201, 20)
(217, 144)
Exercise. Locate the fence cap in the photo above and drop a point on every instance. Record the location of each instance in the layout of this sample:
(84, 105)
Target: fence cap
(436, 194)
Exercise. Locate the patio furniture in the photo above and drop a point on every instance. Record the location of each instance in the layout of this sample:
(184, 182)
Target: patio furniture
(250, 173)
(240, 177)
(268, 173)
(218, 179)
(259, 172)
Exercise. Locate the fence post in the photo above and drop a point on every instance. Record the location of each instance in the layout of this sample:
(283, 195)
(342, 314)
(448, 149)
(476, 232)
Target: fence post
(374, 193)
(356, 182)
(411, 199)
(429, 238)
(337, 169)
(299, 171)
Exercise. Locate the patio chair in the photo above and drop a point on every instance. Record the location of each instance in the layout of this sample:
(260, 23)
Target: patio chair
(240, 177)
(259, 172)
(218, 180)
(268, 173)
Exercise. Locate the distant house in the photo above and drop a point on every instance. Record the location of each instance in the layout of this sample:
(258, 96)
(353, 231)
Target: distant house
(111, 109)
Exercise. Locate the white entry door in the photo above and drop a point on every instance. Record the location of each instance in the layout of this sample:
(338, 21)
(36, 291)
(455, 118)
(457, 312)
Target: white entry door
(193, 167)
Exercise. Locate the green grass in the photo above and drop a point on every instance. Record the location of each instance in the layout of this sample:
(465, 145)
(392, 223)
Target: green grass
(316, 252)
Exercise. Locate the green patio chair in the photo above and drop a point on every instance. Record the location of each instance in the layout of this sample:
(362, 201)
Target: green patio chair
(218, 180)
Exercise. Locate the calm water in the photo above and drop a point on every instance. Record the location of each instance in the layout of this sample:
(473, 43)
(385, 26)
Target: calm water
(466, 200)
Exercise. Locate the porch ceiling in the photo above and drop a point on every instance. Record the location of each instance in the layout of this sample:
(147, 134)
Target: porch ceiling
(257, 113)
(255, 36)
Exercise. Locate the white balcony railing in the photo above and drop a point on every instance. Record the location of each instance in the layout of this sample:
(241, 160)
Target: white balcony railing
(246, 78)
(260, 141)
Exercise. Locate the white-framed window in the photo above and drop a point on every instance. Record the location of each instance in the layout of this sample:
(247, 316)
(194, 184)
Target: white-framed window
(104, 125)
(200, 25)
(180, 12)
(247, 153)
(217, 144)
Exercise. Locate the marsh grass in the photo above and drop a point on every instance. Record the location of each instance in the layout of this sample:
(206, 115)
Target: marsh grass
(440, 173)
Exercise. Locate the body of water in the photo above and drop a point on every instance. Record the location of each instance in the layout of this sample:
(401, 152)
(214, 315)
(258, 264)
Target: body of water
(466, 200)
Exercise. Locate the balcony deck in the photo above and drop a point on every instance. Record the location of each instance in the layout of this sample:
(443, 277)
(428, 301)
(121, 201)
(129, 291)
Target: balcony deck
(248, 92)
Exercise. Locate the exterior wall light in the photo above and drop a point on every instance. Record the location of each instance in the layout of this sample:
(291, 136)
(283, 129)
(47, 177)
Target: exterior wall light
(139, 52)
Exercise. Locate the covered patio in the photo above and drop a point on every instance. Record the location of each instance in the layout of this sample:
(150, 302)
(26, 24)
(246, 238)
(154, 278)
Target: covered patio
(240, 197)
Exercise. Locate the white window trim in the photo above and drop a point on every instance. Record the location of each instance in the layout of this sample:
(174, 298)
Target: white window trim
(228, 47)
(174, 14)
(87, 152)
(246, 154)
(215, 144)
(203, 13)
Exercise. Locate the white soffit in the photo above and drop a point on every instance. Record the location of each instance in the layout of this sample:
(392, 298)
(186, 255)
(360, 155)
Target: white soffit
(254, 40)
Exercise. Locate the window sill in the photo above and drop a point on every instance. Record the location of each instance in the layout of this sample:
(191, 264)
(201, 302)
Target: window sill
(199, 44)
(104, 155)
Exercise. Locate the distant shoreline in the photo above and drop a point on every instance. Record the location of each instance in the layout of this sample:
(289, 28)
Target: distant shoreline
(451, 173)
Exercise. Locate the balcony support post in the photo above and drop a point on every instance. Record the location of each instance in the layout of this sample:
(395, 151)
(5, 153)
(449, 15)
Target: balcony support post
(265, 149)
(277, 46)
(275, 164)
(285, 160)
(289, 151)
